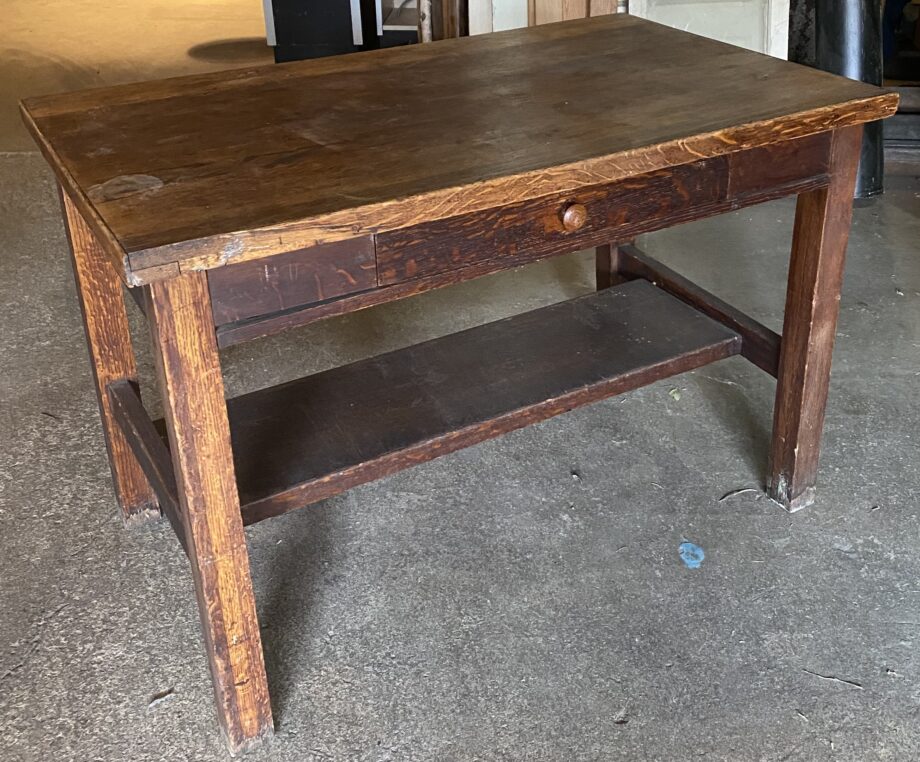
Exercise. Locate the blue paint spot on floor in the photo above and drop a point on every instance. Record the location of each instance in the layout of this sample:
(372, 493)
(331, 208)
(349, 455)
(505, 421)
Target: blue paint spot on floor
(692, 555)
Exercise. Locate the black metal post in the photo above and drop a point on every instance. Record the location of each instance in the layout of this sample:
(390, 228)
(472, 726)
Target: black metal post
(848, 41)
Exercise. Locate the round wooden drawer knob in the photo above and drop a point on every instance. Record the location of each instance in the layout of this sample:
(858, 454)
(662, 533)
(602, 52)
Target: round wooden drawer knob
(574, 217)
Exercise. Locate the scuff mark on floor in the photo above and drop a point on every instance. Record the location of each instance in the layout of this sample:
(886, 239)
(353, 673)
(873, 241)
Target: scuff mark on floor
(834, 679)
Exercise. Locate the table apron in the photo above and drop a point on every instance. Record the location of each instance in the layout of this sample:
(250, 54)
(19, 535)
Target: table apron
(620, 210)
(262, 297)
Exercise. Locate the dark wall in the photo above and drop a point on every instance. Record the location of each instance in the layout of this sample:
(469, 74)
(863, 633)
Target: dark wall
(802, 31)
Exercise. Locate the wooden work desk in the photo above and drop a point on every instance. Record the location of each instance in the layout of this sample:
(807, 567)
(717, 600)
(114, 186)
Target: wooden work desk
(237, 204)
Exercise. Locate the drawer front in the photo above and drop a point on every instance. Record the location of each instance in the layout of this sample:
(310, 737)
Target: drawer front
(290, 280)
(601, 214)
(551, 225)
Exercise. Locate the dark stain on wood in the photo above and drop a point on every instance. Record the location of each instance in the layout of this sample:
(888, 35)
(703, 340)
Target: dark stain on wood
(293, 279)
(266, 325)
(778, 165)
(536, 229)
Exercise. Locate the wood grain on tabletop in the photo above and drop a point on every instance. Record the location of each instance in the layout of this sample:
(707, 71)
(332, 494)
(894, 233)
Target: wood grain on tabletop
(237, 165)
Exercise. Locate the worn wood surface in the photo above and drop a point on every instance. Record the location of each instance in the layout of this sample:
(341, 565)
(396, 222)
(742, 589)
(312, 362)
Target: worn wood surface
(469, 246)
(536, 229)
(620, 211)
(759, 344)
(290, 280)
(822, 228)
(267, 325)
(779, 165)
(312, 438)
(202, 171)
(111, 357)
(185, 351)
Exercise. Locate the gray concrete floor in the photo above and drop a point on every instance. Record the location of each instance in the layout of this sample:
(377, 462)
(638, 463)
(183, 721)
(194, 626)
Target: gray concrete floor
(49, 46)
(489, 605)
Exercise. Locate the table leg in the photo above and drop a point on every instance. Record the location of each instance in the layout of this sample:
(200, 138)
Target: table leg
(111, 356)
(185, 349)
(607, 266)
(822, 225)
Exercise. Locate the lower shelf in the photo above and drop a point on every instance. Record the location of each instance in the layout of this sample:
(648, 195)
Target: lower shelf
(310, 439)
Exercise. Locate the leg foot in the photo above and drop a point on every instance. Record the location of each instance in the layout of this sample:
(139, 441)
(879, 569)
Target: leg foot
(780, 494)
(141, 515)
(248, 744)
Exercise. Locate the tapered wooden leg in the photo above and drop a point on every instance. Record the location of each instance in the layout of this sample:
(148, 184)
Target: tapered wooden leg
(606, 265)
(111, 356)
(822, 226)
(185, 348)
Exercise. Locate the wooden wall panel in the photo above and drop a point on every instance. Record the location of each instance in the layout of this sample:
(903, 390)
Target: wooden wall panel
(548, 11)
(603, 7)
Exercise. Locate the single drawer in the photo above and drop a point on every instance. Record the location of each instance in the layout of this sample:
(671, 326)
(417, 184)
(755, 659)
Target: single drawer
(551, 225)
(290, 280)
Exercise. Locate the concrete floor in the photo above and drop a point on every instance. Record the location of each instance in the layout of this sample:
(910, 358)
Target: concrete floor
(489, 605)
(49, 46)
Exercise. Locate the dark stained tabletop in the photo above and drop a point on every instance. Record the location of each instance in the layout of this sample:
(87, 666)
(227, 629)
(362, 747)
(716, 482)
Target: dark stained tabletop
(255, 161)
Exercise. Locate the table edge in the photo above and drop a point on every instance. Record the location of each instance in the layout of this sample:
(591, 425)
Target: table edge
(143, 266)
